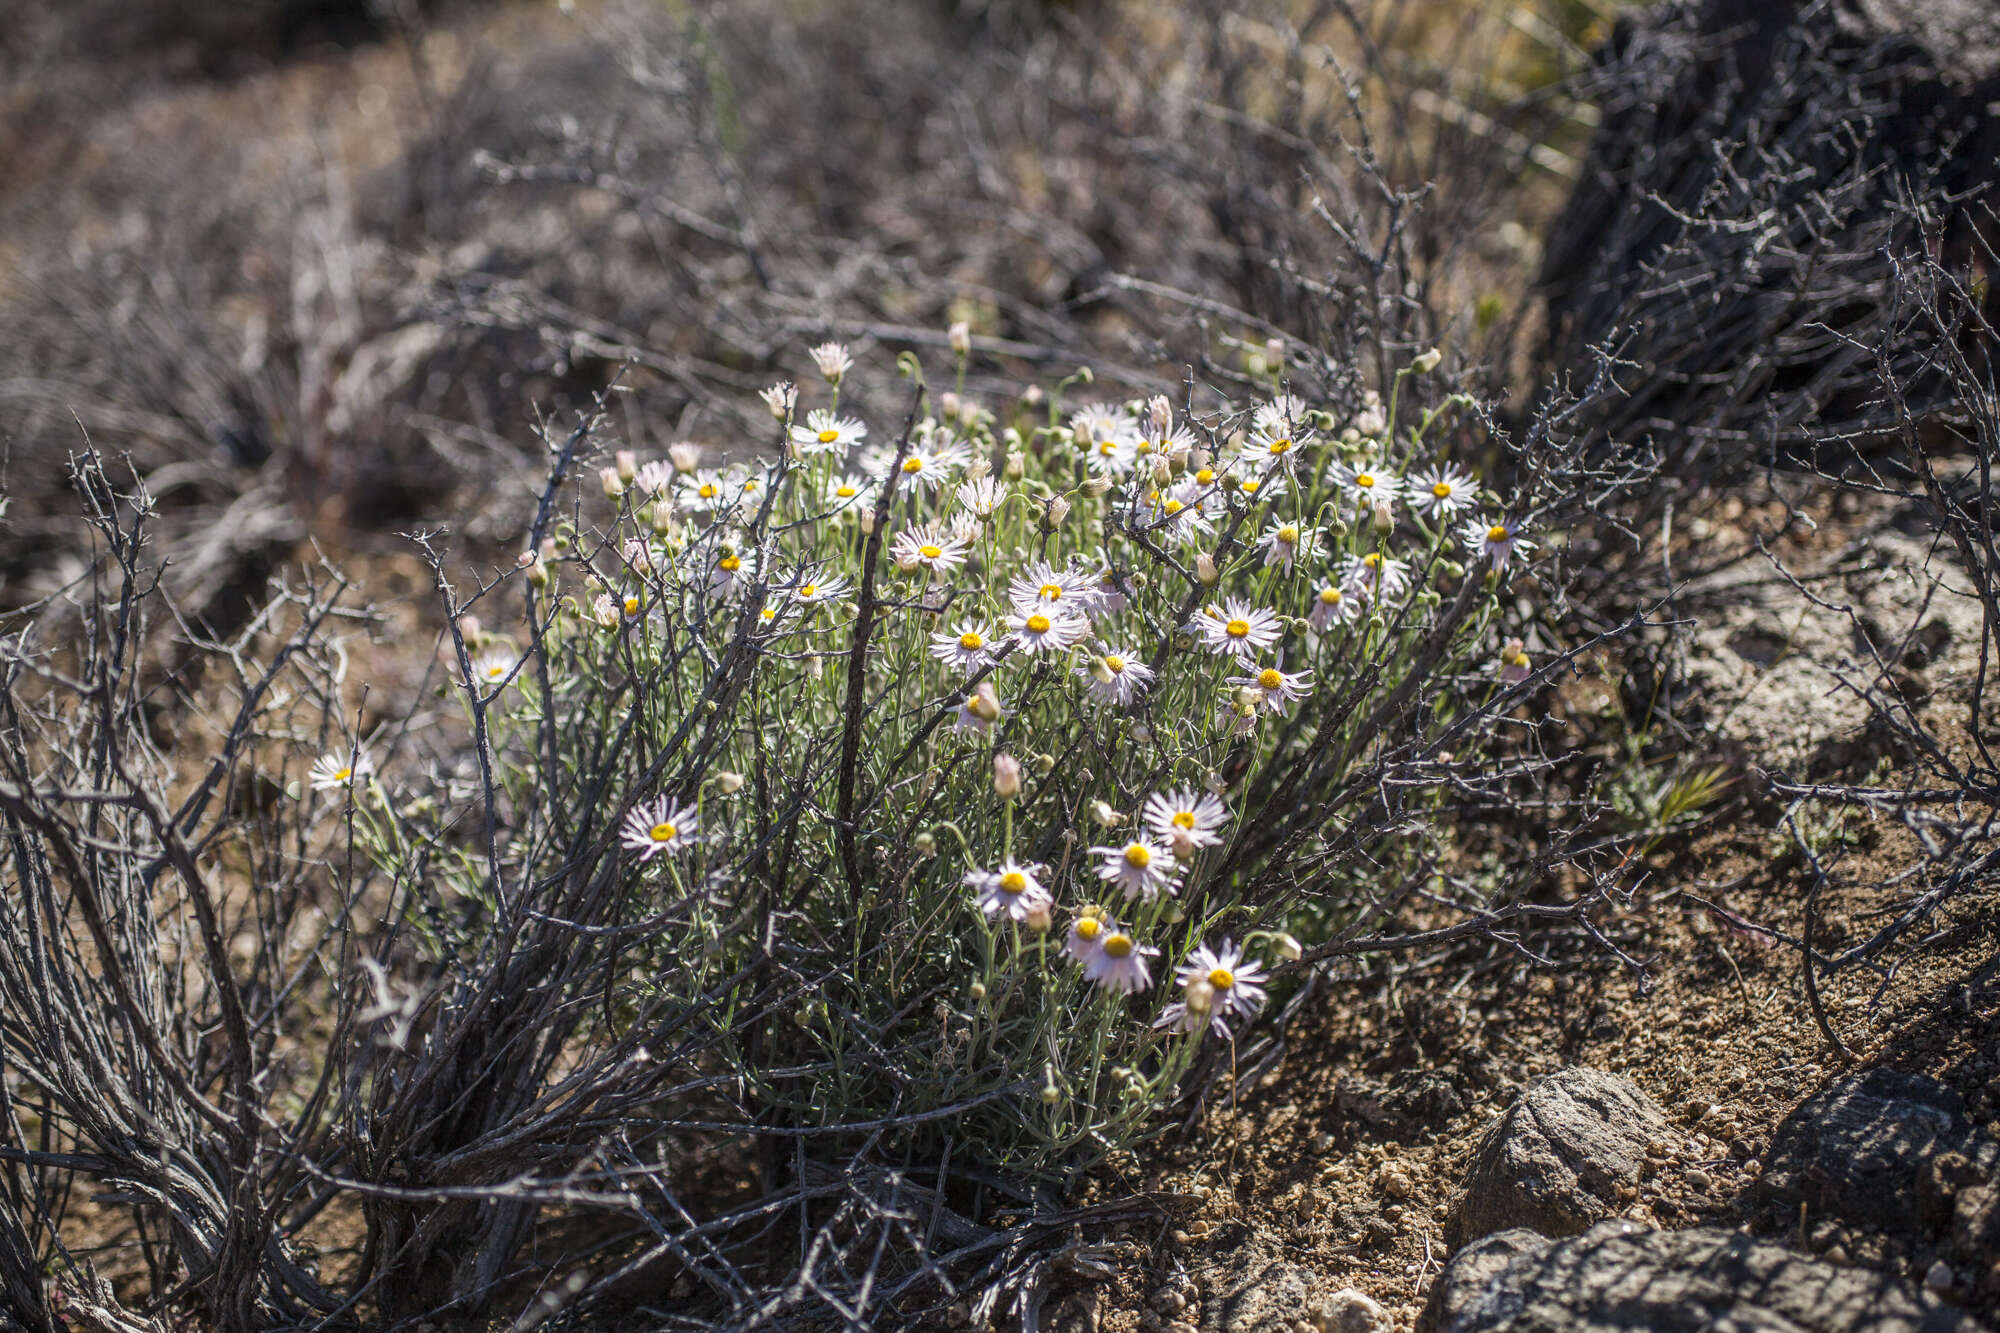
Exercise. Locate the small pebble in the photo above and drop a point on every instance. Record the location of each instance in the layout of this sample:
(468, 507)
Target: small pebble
(1351, 1311)
(1699, 1180)
(1940, 1278)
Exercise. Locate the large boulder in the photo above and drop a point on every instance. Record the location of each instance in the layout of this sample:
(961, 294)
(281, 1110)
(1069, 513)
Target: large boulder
(1560, 1158)
(1616, 1278)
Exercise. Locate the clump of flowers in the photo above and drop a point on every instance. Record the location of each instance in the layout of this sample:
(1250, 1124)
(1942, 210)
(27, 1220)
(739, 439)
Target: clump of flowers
(976, 731)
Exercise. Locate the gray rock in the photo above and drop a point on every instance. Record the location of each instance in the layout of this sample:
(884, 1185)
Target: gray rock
(1554, 1163)
(1351, 1311)
(1886, 1150)
(1251, 1289)
(1615, 1278)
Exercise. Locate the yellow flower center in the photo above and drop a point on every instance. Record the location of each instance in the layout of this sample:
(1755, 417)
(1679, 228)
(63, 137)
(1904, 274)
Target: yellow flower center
(1373, 560)
(768, 613)
(707, 491)
(809, 591)
(970, 640)
(1221, 978)
(631, 606)
(913, 465)
(846, 492)
(1052, 592)
(1237, 629)
(1014, 882)
(1108, 448)
(1269, 678)
(1145, 446)
(1138, 856)
(1114, 661)
(930, 552)
(1250, 487)
(1497, 533)
(1038, 624)
(1206, 476)
(828, 436)
(495, 671)
(1365, 480)
(1518, 660)
(1330, 596)
(1280, 446)
(1289, 535)
(1183, 819)
(1173, 506)
(1442, 490)
(343, 775)
(732, 563)
(1117, 945)
(663, 832)
(1089, 928)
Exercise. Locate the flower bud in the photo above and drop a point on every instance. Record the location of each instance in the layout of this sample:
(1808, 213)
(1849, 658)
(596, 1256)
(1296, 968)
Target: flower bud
(729, 782)
(1159, 416)
(1163, 471)
(950, 405)
(815, 667)
(781, 398)
(685, 456)
(613, 486)
(1248, 697)
(1055, 513)
(866, 518)
(959, 335)
(1106, 817)
(1006, 776)
(1205, 570)
(978, 990)
(1016, 466)
(1385, 522)
(1096, 486)
(925, 843)
(1274, 353)
(524, 560)
(1142, 734)
(984, 703)
(1427, 361)
(661, 517)
(1051, 1094)
(1290, 949)
(628, 464)
(1200, 998)
(1033, 396)
(1040, 918)
(1045, 764)
(979, 469)
(832, 361)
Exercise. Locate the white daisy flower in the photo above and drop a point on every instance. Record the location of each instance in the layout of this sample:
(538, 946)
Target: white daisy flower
(1374, 575)
(1266, 451)
(1231, 991)
(1330, 607)
(824, 433)
(981, 709)
(1097, 422)
(1442, 491)
(1052, 630)
(1141, 867)
(1366, 484)
(1262, 490)
(832, 361)
(1179, 509)
(343, 768)
(1496, 542)
(1238, 627)
(1186, 820)
(1276, 689)
(781, 398)
(662, 825)
(492, 668)
(817, 589)
(1283, 415)
(930, 547)
(1014, 890)
(848, 493)
(982, 498)
(1115, 678)
(657, 479)
(926, 465)
(1120, 962)
(967, 648)
(1110, 455)
(1287, 542)
(728, 572)
(1045, 588)
(1087, 932)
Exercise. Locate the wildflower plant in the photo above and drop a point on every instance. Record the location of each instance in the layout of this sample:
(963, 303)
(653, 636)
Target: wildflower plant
(918, 753)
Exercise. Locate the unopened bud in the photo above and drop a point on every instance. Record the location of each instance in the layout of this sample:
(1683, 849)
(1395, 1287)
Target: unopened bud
(661, 516)
(978, 991)
(628, 464)
(685, 456)
(1045, 764)
(950, 405)
(1016, 466)
(1040, 918)
(1159, 416)
(1204, 569)
(524, 560)
(1051, 1094)
(1200, 999)
(1105, 816)
(1427, 361)
(959, 335)
(729, 782)
(925, 843)
(1385, 522)
(1006, 776)
(1096, 486)
(1055, 513)
(1142, 734)
(1274, 352)
(1290, 949)
(984, 703)
(1033, 396)
(613, 486)
(1163, 471)
(979, 469)
(866, 517)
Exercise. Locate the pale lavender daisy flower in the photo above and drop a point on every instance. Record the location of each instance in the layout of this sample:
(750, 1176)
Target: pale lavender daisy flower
(825, 433)
(1230, 991)
(967, 648)
(1052, 630)
(1120, 962)
(1366, 484)
(1330, 607)
(1496, 542)
(661, 825)
(1186, 820)
(1276, 689)
(1442, 491)
(1375, 575)
(343, 768)
(1115, 678)
(1141, 867)
(1238, 628)
(930, 547)
(1013, 890)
